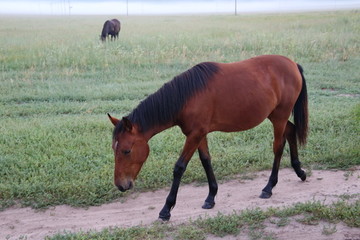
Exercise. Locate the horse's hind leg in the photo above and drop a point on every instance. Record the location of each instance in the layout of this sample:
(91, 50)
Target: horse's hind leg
(206, 162)
(278, 148)
(290, 134)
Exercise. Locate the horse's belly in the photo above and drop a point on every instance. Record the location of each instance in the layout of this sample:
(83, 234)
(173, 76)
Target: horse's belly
(238, 119)
(239, 112)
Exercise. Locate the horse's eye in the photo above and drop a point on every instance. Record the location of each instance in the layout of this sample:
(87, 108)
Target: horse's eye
(126, 152)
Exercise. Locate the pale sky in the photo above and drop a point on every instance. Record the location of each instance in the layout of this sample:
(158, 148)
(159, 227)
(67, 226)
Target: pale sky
(132, 7)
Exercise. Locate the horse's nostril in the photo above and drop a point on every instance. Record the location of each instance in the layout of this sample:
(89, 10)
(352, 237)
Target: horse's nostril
(121, 189)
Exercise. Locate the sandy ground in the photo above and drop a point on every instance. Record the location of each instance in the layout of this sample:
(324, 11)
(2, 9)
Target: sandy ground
(235, 195)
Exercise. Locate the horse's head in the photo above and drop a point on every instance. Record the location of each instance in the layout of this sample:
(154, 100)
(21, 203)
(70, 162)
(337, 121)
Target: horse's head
(103, 38)
(131, 151)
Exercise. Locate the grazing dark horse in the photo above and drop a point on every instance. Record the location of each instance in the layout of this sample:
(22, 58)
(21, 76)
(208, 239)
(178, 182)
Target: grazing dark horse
(209, 97)
(111, 27)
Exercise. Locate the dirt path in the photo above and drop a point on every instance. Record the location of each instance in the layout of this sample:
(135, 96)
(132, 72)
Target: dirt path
(238, 194)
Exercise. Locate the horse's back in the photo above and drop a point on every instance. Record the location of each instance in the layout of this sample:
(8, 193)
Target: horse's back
(117, 25)
(242, 94)
(263, 73)
(115, 20)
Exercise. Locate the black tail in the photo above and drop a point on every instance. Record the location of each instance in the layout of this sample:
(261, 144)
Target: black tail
(300, 112)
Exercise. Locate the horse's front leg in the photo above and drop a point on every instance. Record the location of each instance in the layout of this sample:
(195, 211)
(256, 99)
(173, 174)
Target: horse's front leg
(179, 170)
(191, 145)
(206, 162)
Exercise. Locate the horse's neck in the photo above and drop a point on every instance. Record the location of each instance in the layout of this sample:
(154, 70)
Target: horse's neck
(157, 129)
(105, 31)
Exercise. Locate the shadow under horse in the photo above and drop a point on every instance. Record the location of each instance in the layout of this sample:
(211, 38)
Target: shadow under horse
(227, 97)
(111, 27)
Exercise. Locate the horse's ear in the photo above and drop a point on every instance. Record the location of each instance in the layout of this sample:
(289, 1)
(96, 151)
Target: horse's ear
(127, 124)
(113, 120)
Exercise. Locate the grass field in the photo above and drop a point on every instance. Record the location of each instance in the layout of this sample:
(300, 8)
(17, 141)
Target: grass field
(58, 81)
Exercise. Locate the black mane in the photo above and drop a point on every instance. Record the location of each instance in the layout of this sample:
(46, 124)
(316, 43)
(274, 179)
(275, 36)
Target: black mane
(163, 106)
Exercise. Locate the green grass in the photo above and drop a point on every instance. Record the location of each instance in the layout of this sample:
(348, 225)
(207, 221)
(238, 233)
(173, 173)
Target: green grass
(250, 223)
(58, 81)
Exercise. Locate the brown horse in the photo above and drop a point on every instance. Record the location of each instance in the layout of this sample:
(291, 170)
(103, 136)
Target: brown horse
(111, 27)
(211, 97)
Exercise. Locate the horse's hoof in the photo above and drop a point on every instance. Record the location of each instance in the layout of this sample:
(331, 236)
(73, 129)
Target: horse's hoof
(303, 177)
(265, 195)
(208, 205)
(165, 217)
(162, 220)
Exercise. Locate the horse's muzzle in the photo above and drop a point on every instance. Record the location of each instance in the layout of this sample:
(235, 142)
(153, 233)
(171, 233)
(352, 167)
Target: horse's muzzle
(125, 187)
